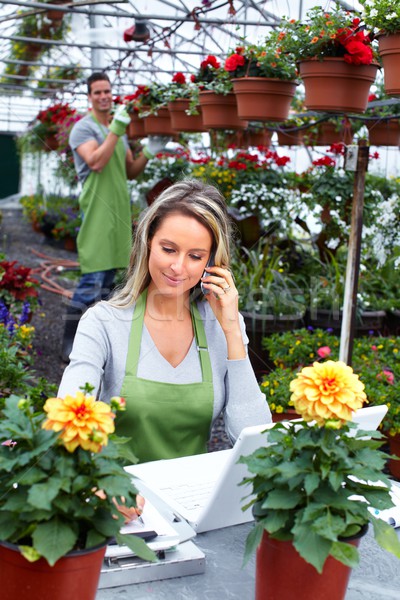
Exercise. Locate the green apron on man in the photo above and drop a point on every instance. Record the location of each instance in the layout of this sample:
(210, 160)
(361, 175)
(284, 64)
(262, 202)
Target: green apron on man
(105, 238)
(165, 420)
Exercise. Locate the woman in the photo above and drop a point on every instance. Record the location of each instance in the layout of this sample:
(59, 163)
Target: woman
(177, 355)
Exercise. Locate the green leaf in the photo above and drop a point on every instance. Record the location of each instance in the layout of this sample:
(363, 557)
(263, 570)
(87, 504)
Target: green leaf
(54, 539)
(345, 553)
(311, 546)
(41, 495)
(311, 482)
(282, 499)
(137, 545)
(8, 525)
(252, 542)
(30, 553)
(386, 536)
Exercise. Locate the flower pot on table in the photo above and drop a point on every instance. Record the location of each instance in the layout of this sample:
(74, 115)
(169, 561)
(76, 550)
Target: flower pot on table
(181, 121)
(333, 85)
(282, 574)
(384, 132)
(219, 111)
(263, 98)
(389, 51)
(75, 575)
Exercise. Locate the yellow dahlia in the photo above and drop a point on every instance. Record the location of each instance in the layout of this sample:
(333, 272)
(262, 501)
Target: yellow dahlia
(82, 420)
(328, 390)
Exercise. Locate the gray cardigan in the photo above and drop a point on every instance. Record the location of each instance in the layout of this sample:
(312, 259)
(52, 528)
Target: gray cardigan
(99, 356)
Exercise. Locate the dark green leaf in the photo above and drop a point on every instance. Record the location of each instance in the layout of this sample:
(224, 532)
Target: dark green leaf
(54, 539)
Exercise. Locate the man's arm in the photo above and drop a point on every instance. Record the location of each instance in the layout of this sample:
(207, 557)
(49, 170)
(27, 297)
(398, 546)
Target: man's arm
(96, 155)
(135, 166)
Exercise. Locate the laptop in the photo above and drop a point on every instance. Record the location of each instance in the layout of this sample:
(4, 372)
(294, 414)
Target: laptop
(204, 488)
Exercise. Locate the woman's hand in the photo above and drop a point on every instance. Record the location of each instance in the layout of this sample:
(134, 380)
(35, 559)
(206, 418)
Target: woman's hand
(224, 301)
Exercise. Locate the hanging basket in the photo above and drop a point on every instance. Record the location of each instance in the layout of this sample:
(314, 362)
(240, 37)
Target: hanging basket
(263, 98)
(181, 121)
(159, 123)
(282, 574)
(50, 142)
(219, 111)
(332, 85)
(136, 128)
(328, 134)
(389, 50)
(76, 575)
(248, 138)
(384, 133)
(290, 138)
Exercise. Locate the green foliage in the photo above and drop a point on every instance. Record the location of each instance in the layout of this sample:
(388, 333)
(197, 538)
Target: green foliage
(304, 480)
(382, 15)
(48, 502)
(275, 386)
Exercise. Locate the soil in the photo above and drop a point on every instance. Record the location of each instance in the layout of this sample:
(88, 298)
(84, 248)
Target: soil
(21, 243)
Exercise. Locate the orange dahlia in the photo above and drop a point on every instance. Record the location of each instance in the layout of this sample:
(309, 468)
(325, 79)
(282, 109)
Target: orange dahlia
(325, 391)
(82, 420)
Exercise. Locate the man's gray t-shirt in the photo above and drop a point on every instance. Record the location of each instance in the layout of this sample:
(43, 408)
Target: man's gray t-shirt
(84, 130)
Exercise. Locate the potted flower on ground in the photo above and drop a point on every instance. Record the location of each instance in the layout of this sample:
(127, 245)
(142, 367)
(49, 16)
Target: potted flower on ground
(263, 78)
(334, 55)
(62, 476)
(313, 485)
(384, 16)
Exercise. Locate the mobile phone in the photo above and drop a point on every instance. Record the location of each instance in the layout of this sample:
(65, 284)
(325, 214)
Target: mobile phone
(210, 263)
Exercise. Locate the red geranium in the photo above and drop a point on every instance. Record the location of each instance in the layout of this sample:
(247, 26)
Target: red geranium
(17, 281)
(234, 61)
(179, 78)
(210, 61)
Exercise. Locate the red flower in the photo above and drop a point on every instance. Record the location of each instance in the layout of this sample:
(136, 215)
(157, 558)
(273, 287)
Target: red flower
(358, 53)
(179, 78)
(234, 61)
(193, 78)
(210, 61)
(281, 161)
(326, 161)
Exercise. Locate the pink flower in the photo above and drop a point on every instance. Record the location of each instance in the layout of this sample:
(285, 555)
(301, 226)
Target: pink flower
(9, 443)
(386, 375)
(324, 351)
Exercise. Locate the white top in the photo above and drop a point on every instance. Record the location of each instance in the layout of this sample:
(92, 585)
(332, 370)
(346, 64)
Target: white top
(99, 357)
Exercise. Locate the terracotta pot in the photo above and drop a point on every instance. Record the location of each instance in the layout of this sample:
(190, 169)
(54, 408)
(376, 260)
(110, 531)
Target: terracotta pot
(288, 415)
(73, 576)
(389, 50)
(219, 111)
(249, 138)
(394, 445)
(332, 85)
(384, 133)
(136, 128)
(56, 15)
(158, 124)
(263, 98)
(290, 138)
(181, 121)
(329, 134)
(282, 574)
(70, 243)
(50, 142)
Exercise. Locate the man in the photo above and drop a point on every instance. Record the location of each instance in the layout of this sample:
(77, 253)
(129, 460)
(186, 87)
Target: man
(103, 162)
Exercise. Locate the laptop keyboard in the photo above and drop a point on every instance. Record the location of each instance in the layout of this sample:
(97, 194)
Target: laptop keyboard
(192, 495)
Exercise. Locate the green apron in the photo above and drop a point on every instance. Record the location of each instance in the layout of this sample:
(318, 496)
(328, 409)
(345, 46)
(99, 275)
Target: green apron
(105, 237)
(165, 420)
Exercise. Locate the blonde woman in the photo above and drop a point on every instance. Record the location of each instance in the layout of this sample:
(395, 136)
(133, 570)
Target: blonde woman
(172, 341)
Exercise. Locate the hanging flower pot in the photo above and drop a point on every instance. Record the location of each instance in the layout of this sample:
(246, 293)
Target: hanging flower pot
(56, 15)
(159, 123)
(333, 85)
(248, 138)
(389, 50)
(136, 129)
(328, 134)
(50, 142)
(289, 137)
(76, 575)
(263, 98)
(274, 557)
(219, 111)
(384, 133)
(181, 121)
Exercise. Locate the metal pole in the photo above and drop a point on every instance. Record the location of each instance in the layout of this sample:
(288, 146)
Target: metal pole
(353, 257)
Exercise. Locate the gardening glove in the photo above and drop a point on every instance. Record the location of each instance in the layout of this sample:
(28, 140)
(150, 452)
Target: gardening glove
(120, 121)
(155, 145)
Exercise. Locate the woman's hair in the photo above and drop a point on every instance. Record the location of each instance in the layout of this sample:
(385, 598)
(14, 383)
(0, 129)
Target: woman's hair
(188, 197)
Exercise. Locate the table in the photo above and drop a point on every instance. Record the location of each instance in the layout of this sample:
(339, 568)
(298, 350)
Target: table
(376, 578)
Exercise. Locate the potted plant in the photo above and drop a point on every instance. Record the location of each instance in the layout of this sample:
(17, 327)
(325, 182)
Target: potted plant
(216, 97)
(275, 386)
(133, 106)
(184, 116)
(152, 104)
(263, 78)
(383, 16)
(334, 55)
(42, 134)
(313, 484)
(17, 286)
(62, 476)
(383, 118)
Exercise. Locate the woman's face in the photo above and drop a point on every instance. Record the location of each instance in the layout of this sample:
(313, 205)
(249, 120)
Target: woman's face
(179, 252)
